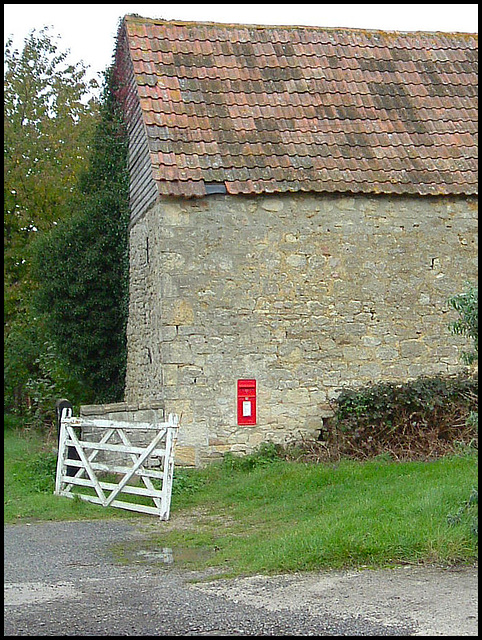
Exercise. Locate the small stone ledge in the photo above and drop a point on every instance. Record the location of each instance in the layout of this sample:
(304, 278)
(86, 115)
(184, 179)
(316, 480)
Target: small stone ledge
(102, 409)
(120, 407)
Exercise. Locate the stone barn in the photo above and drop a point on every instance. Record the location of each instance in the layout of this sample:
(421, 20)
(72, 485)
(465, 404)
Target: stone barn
(303, 203)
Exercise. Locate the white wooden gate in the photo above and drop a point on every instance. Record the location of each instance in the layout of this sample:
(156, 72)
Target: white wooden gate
(163, 438)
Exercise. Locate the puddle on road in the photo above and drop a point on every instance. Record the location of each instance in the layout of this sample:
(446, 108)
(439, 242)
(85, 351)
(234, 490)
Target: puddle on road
(164, 555)
(161, 556)
(176, 555)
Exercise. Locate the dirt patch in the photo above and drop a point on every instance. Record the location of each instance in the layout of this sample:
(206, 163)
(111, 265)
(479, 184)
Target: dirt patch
(16, 594)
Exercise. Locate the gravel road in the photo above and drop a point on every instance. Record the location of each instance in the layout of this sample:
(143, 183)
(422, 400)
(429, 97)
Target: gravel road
(64, 579)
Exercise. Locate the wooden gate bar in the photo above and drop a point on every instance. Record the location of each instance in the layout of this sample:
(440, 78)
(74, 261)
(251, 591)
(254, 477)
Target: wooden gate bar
(140, 460)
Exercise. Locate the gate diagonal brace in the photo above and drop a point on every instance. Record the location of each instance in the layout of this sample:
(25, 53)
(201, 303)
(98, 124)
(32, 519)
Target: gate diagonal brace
(87, 466)
(91, 458)
(136, 466)
(145, 479)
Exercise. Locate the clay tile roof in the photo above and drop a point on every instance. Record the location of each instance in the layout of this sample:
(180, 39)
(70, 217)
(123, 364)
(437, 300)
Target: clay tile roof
(277, 109)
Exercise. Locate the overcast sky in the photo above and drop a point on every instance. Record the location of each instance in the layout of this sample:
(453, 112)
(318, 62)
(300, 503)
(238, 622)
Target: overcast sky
(89, 30)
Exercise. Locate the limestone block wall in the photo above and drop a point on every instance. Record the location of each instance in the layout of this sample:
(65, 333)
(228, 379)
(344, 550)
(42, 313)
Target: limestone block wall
(306, 293)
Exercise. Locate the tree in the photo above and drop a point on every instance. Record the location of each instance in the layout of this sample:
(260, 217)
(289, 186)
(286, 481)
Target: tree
(49, 118)
(82, 266)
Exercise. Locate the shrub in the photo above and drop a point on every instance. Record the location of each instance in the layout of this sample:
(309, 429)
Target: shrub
(467, 306)
(422, 418)
(82, 266)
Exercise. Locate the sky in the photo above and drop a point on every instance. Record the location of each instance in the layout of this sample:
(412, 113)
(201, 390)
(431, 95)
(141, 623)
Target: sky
(89, 30)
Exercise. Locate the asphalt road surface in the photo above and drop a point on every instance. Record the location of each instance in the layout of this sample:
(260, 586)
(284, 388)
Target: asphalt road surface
(66, 579)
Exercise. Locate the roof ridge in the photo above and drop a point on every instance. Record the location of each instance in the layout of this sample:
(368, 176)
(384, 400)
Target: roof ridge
(234, 25)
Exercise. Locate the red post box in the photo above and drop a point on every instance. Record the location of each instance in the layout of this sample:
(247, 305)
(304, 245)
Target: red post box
(246, 401)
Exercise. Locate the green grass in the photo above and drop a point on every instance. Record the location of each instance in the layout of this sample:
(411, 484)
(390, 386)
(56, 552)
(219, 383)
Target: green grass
(271, 515)
(29, 480)
(290, 516)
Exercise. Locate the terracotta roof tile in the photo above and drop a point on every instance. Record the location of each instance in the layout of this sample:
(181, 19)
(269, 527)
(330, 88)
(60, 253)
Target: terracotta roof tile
(272, 109)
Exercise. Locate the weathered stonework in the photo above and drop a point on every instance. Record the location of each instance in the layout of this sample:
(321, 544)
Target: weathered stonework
(305, 293)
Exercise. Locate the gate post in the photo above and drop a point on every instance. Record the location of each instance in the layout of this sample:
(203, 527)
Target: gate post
(62, 406)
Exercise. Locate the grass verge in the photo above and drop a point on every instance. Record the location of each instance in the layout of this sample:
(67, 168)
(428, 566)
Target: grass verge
(29, 466)
(289, 516)
(276, 515)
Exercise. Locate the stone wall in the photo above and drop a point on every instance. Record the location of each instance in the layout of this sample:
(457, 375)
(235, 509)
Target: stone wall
(305, 293)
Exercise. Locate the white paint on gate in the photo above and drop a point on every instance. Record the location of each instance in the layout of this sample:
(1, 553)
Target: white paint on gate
(88, 474)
